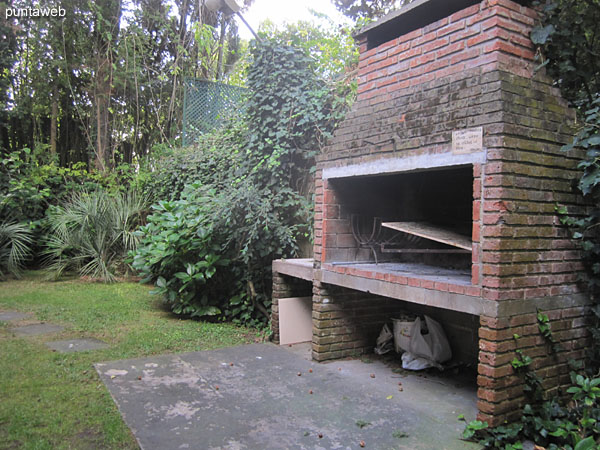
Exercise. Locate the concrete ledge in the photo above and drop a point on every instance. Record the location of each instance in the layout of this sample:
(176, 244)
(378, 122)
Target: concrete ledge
(297, 268)
(439, 299)
(394, 165)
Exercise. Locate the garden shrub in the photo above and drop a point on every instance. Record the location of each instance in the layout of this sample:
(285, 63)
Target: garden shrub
(209, 251)
(210, 162)
(176, 251)
(31, 182)
(15, 247)
(92, 233)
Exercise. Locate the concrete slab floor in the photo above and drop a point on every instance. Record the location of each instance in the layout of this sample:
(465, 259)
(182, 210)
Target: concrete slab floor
(37, 329)
(252, 397)
(11, 316)
(77, 345)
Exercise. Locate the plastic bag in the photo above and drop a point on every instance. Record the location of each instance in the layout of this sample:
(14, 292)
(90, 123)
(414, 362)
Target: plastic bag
(402, 328)
(412, 362)
(385, 341)
(433, 345)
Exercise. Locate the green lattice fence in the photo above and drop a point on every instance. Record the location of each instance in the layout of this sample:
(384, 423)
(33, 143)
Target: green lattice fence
(207, 105)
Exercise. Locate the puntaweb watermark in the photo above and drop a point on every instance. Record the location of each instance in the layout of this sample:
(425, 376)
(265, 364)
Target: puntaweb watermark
(35, 12)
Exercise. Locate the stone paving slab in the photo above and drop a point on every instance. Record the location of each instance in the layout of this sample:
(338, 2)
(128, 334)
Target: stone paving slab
(9, 316)
(37, 329)
(251, 397)
(77, 345)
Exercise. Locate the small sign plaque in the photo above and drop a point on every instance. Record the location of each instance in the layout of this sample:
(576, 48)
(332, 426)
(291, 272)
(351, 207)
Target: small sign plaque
(466, 141)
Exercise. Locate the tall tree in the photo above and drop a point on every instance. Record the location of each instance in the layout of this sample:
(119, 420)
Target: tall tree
(106, 31)
(104, 85)
(7, 58)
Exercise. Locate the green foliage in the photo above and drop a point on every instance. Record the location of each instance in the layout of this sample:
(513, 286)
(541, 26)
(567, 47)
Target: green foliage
(370, 9)
(569, 46)
(92, 233)
(291, 112)
(332, 48)
(567, 37)
(30, 182)
(209, 253)
(593, 351)
(208, 247)
(213, 161)
(112, 70)
(553, 425)
(177, 251)
(504, 437)
(15, 247)
(521, 361)
(7, 57)
(584, 228)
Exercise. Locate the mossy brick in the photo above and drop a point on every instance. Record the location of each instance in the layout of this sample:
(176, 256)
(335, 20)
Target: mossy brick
(495, 359)
(499, 383)
(318, 348)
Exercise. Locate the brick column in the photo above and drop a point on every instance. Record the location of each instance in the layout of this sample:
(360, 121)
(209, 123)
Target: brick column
(500, 392)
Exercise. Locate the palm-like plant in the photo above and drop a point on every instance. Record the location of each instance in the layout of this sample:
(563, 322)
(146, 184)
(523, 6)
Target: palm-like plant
(92, 233)
(15, 247)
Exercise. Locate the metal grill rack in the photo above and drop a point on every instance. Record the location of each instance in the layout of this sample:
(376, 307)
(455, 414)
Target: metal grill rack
(405, 237)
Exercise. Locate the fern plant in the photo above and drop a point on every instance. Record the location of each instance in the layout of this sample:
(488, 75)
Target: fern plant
(15, 247)
(92, 234)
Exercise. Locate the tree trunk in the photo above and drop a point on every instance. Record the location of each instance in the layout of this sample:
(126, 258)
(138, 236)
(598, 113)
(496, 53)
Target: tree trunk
(183, 11)
(107, 30)
(102, 95)
(54, 122)
(221, 49)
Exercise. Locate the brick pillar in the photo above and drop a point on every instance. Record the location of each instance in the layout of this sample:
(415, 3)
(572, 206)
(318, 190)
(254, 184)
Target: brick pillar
(500, 393)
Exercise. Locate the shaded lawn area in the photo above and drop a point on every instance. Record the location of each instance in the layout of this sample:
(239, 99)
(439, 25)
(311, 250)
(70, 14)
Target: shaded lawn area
(53, 400)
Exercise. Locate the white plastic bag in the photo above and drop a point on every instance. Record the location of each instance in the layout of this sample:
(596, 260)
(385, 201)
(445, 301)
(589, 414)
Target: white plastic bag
(402, 329)
(433, 346)
(412, 362)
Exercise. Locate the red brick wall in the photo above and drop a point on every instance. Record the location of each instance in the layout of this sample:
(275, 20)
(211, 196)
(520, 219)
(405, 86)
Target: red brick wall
(493, 34)
(500, 390)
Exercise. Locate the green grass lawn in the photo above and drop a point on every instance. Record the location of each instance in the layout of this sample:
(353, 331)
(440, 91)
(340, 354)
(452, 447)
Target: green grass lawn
(51, 400)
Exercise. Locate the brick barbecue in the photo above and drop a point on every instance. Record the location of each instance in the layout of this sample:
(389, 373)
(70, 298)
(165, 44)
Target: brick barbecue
(437, 196)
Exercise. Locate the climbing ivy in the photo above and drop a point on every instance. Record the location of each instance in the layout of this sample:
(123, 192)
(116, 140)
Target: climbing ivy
(569, 45)
(291, 113)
